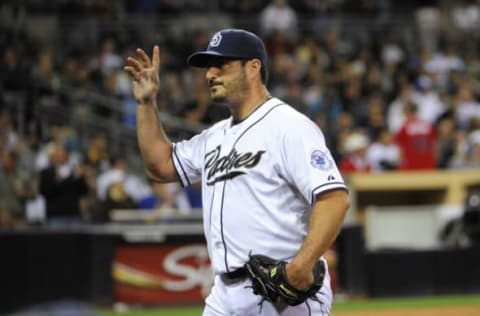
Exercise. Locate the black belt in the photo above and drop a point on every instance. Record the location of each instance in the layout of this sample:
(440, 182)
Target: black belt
(234, 276)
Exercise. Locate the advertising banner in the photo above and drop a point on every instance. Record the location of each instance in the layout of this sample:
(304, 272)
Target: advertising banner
(156, 274)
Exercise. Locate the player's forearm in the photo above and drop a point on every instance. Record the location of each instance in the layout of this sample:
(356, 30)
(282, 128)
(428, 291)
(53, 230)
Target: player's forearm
(154, 144)
(325, 223)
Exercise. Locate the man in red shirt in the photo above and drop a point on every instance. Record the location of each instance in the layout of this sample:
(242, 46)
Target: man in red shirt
(416, 139)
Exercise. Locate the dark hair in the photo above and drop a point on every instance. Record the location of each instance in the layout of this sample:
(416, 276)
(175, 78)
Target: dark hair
(264, 74)
(411, 107)
(263, 71)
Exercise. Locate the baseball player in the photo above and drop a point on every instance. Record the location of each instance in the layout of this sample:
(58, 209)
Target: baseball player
(269, 183)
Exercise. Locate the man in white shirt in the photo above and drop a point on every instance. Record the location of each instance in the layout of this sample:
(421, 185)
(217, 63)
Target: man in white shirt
(269, 183)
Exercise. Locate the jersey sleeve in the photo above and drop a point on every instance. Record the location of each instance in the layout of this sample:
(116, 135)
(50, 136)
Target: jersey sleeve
(187, 157)
(307, 162)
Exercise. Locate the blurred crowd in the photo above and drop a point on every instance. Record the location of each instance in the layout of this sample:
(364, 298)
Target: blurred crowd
(394, 86)
(60, 183)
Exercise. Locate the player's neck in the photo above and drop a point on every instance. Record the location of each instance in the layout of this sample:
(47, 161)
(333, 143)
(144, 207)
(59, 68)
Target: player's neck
(250, 104)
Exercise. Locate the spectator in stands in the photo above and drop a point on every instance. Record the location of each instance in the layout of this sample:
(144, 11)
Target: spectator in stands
(352, 100)
(108, 59)
(16, 171)
(278, 43)
(466, 16)
(62, 184)
(374, 120)
(114, 173)
(115, 85)
(9, 135)
(355, 159)
(35, 205)
(70, 66)
(473, 65)
(446, 140)
(278, 16)
(58, 134)
(339, 132)
(395, 112)
(44, 74)
(383, 154)
(14, 71)
(42, 157)
(97, 154)
(169, 200)
(293, 95)
(117, 186)
(283, 70)
(6, 221)
(116, 198)
(461, 151)
(428, 19)
(314, 94)
(473, 160)
(417, 140)
(308, 53)
(442, 63)
(466, 107)
(318, 65)
(12, 189)
(430, 106)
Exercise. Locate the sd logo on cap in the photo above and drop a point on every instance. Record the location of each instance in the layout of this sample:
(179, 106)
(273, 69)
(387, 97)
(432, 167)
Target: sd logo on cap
(231, 43)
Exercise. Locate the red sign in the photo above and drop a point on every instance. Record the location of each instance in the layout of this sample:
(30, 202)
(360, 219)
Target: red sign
(162, 274)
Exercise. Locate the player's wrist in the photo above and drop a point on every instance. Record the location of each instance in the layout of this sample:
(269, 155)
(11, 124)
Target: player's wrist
(295, 270)
(147, 101)
(301, 263)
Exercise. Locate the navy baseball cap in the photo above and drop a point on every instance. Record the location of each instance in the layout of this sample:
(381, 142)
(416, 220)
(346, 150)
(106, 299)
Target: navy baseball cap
(231, 43)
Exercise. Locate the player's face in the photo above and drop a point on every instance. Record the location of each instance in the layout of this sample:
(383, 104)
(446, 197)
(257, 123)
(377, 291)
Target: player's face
(227, 80)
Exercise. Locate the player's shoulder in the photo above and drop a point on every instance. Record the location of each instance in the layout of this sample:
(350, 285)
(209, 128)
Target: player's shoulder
(286, 111)
(286, 116)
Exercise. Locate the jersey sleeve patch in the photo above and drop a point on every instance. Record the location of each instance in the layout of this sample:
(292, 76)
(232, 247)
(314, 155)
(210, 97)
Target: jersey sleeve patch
(320, 160)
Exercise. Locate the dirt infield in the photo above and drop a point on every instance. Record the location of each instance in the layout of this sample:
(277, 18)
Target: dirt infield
(409, 311)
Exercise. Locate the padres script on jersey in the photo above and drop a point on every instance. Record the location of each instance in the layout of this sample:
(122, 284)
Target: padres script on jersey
(259, 179)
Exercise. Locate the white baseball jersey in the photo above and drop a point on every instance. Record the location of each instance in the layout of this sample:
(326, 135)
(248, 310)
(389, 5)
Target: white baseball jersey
(259, 179)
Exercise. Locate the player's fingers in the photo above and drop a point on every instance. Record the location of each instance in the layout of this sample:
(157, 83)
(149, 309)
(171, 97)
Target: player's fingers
(132, 62)
(132, 72)
(156, 57)
(144, 57)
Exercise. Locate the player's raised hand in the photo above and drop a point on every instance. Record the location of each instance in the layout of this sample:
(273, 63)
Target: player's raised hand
(145, 75)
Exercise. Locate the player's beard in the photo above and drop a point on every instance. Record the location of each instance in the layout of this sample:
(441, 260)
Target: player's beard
(234, 90)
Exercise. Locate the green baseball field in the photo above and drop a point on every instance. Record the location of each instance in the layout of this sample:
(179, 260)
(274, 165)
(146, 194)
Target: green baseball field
(465, 305)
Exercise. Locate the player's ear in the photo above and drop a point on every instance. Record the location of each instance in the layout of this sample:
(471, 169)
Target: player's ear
(253, 67)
